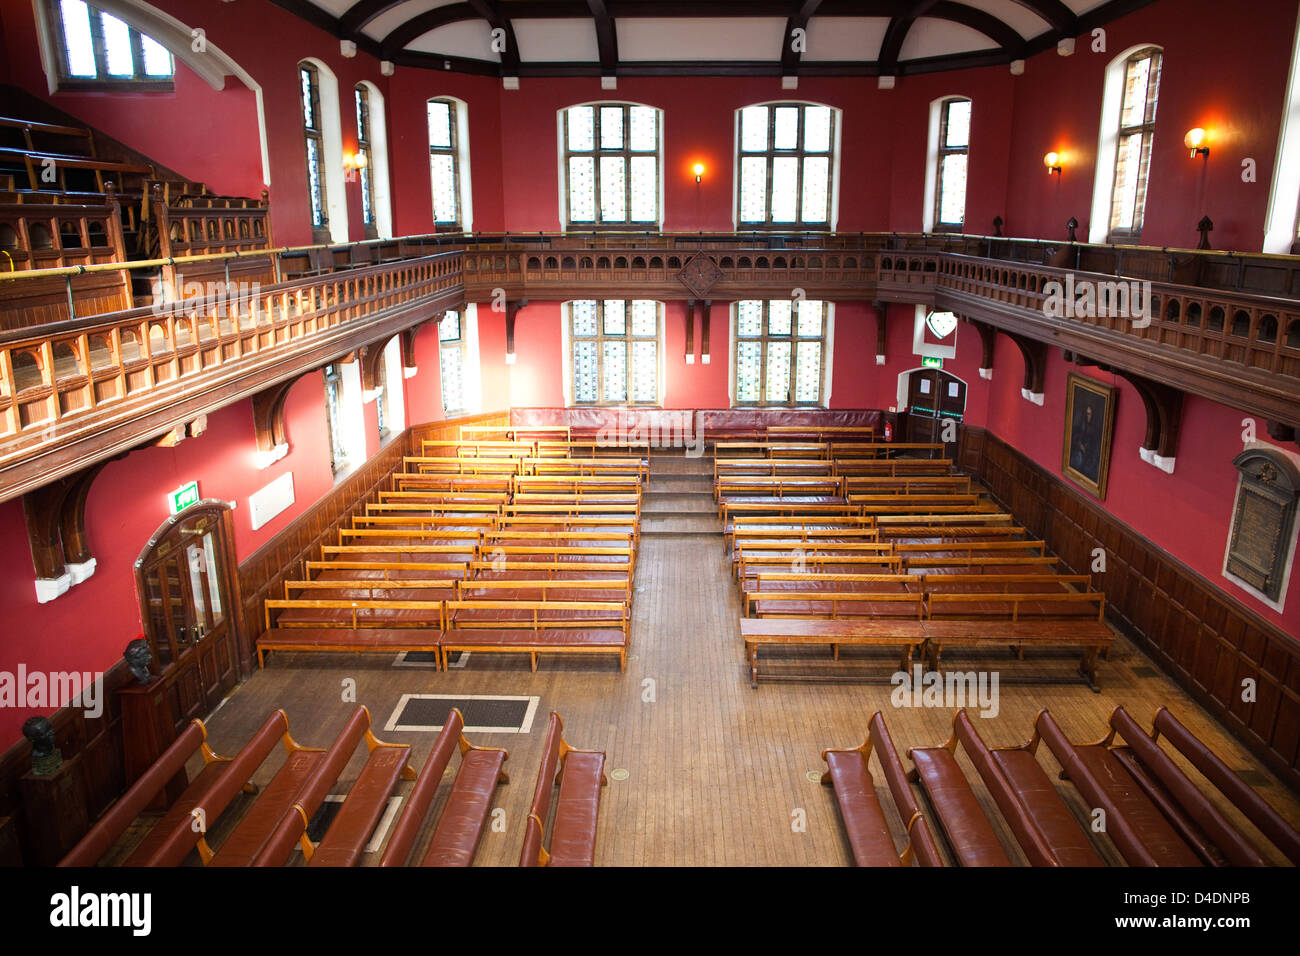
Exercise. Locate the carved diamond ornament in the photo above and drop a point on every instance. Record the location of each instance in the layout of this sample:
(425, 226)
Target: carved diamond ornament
(700, 274)
(941, 323)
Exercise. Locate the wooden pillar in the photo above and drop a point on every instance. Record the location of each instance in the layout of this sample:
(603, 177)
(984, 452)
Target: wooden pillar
(690, 331)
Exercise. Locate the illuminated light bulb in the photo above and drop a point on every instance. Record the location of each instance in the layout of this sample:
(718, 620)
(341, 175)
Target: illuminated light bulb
(1195, 141)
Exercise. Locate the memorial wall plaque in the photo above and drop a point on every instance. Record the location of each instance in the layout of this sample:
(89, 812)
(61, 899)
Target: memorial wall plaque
(1264, 520)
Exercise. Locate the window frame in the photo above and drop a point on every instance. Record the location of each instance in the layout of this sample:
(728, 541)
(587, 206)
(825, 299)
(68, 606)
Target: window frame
(369, 219)
(139, 82)
(453, 150)
(1146, 129)
(771, 153)
(333, 375)
(942, 152)
(456, 345)
(764, 339)
(600, 338)
(320, 231)
(626, 153)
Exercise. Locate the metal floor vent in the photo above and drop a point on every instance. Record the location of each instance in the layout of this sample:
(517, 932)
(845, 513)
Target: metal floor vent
(484, 714)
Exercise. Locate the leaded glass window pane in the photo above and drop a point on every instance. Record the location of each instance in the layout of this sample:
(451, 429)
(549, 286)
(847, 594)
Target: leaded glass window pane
(816, 188)
(443, 172)
(785, 127)
(449, 327)
(614, 360)
(117, 46)
(807, 385)
(645, 317)
(778, 317)
(810, 319)
(584, 371)
(644, 135)
(582, 189)
(748, 371)
(313, 183)
(582, 128)
(439, 124)
(644, 367)
(749, 318)
(753, 129)
(157, 58)
(958, 129)
(952, 188)
(817, 129)
(785, 188)
(1136, 76)
(645, 189)
(308, 110)
(584, 316)
(613, 199)
(615, 317)
(611, 127)
(76, 34)
(753, 189)
(778, 371)
(453, 395)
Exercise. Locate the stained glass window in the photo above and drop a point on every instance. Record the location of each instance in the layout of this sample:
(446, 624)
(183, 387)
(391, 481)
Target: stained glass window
(615, 351)
(779, 352)
(1137, 123)
(362, 97)
(451, 362)
(334, 416)
(444, 162)
(950, 177)
(309, 88)
(100, 49)
(786, 155)
(611, 165)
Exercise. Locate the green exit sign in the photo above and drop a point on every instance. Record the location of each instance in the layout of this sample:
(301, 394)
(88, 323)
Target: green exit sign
(183, 497)
(930, 361)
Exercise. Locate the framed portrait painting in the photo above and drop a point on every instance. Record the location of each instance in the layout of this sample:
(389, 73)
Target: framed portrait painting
(1089, 430)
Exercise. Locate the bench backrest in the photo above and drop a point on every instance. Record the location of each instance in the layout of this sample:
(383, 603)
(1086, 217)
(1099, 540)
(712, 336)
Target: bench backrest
(923, 845)
(421, 796)
(173, 850)
(541, 805)
(114, 822)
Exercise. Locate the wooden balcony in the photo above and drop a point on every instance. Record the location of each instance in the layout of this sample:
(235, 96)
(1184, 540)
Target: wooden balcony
(77, 390)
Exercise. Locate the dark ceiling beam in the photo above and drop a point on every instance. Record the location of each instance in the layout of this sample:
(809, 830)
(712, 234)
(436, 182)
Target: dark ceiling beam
(606, 38)
(362, 12)
(798, 21)
(1061, 18)
(892, 45)
(417, 27)
(491, 11)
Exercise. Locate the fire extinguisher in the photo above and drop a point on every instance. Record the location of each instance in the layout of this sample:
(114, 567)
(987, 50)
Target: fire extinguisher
(889, 431)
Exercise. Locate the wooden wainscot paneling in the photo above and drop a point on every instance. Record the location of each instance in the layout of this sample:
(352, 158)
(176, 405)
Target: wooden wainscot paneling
(1198, 633)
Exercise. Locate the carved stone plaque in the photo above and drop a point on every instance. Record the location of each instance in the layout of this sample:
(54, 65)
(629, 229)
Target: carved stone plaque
(700, 274)
(1264, 520)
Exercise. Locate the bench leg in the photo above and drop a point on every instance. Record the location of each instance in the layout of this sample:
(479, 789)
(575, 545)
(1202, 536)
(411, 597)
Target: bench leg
(261, 659)
(835, 652)
(532, 659)
(753, 668)
(1088, 668)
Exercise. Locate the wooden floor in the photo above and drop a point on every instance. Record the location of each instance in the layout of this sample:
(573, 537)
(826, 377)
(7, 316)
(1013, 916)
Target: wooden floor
(717, 773)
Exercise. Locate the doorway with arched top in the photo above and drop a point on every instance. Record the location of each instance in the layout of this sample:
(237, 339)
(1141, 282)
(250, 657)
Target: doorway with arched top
(930, 396)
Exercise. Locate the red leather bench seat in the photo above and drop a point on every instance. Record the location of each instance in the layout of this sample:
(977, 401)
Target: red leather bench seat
(179, 811)
(252, 832)
(460, 826)
(864, 819)
(362, 808)
(573, 835)
(1059, 830)
(379, 617)
(969, 832)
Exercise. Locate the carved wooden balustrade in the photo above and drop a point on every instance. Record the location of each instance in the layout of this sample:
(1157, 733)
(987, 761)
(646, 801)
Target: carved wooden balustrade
(77, 391)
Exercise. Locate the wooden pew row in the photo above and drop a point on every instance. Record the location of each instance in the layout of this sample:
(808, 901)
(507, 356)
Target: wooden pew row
(580, 775)
(464, 815)
(725, 451)
(536, 627)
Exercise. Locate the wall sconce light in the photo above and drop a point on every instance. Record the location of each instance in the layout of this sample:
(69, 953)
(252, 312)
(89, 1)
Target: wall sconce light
(698, 170)
(1053, 162)
(352, 162)
(1195, 141)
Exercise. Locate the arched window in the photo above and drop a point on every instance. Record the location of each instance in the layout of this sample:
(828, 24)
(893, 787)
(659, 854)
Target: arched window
(365, 156)
(101, 51)
(787, 162)
(781, 352)
(615, 351)
(611, 165)
(945, 184)
(451, 361)
(1124, 150)
(449, 163)
(319, 99)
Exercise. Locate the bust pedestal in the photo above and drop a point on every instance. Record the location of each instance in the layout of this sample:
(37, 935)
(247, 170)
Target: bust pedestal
(55, 807)
(147, 730)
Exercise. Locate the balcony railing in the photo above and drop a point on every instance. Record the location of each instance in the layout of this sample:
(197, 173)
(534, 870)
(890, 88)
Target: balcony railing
(77, 389)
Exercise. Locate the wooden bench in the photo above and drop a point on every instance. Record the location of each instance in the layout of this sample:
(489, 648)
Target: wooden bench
(1134, 824)
(892, 467)
(1242, 796)
(925, 850)
(149, 789)
(536, 627)
(1092, 637)
(1198, 821)
(906, 635)
(460, 826)
(1042, 824)
(346, 640)
(580, 775)
(970, 834)
(863, 817)
(722, 450)
(353, 614)
(187, 823)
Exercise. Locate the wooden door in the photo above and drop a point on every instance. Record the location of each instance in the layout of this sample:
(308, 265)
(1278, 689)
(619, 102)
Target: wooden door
(188, 604)
(922, 412)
